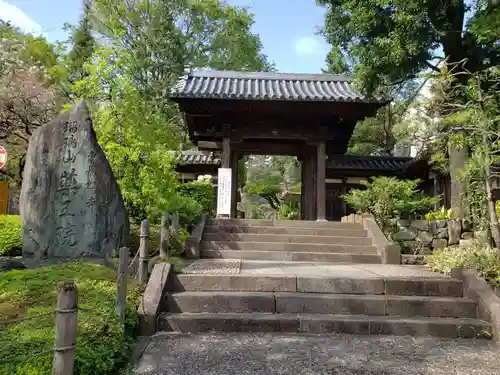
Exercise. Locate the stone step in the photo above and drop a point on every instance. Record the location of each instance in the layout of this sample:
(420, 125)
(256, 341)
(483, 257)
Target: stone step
(340, 232)
(287, 238)
(318, 303)
(325, 323)
(401, 286)
(284, 223)
(291, 256)
(280, 246)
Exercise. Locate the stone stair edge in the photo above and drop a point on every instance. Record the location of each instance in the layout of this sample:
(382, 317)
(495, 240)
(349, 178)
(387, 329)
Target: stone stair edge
(285, 224)
(230, 293)
(325, 323)
(321, 316)
(375, 277)
(286, 255)
(288, 243)
(330, 225)
(278, 234)
(429, 286)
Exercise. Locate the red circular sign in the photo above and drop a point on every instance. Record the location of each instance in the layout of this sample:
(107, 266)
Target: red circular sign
(3, 156)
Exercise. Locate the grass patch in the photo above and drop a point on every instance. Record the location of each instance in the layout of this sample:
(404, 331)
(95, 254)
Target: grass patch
(29, 293)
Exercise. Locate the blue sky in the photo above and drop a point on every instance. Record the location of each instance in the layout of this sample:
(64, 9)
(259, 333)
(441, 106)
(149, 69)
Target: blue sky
(287, 31)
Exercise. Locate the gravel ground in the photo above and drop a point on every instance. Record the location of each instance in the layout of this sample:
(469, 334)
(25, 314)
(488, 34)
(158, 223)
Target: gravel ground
(274, 354)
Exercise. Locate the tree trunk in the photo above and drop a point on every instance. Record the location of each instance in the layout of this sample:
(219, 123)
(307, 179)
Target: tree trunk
(494, 227)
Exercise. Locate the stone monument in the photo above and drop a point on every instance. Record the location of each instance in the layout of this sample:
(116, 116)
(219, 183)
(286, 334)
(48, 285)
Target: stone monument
(70, 202)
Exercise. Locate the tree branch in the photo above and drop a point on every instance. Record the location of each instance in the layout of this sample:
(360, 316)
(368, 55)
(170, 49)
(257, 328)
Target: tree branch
(433, 67)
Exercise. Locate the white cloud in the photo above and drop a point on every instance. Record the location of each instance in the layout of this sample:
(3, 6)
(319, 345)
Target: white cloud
(17, 17)
(309, 46)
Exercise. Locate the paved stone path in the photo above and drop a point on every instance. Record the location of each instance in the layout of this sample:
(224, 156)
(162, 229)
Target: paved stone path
(255, 267)
(275, 354)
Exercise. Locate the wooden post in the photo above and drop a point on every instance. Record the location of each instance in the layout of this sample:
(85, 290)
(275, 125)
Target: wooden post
(302, 189)
(320, 182)
(143, 252)
(66, 324)
(234, 185)
(226, 152)
(121, 286)
(164, 236)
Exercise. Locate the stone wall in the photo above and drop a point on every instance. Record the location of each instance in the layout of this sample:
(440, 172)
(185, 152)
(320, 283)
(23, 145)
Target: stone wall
(422, 237)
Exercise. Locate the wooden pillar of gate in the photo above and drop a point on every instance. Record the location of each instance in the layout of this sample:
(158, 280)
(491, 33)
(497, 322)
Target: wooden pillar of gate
(321, 181)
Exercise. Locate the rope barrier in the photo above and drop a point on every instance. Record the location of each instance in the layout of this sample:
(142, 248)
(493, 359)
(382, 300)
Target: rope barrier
(17, 358)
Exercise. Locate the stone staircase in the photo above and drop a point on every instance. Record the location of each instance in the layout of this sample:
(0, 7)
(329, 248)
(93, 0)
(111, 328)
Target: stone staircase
(287, 240)
(355, 304)
(310, 277)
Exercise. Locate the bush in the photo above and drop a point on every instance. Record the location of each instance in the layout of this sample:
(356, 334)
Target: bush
(177, 241)
(478, 256)
(10, 235)
(29, 293)
(389, 199)
(442, 214)
(201, 191)
(135, 238)
(189, 209)
(289, 211)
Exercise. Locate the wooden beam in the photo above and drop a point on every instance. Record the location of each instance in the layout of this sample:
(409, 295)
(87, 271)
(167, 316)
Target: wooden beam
(266, 147)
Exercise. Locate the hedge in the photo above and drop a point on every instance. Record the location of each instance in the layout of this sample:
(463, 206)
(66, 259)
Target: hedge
(10, 235)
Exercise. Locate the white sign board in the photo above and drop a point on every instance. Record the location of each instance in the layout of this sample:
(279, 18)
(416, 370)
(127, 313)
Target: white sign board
(224, 192)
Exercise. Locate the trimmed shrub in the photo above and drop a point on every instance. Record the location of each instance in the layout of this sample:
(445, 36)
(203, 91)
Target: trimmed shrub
(389, 199)
(10, 235)
(188, 208)
(202, 191)
(478, 256)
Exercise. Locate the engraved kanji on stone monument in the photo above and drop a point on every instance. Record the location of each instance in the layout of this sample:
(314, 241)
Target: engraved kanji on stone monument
(70, 204)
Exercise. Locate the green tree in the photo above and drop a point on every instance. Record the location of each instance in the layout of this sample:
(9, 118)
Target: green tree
(146, 46)
(336, 62)
(479, 119)
(378, 135)
(135, 136)
(82, 44)
(271, 178)
(29, 92)
(393, 41)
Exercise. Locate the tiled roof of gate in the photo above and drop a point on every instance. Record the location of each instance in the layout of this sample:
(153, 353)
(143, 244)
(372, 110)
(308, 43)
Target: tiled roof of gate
(385, 163)
(268, 86)
(198, 157)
